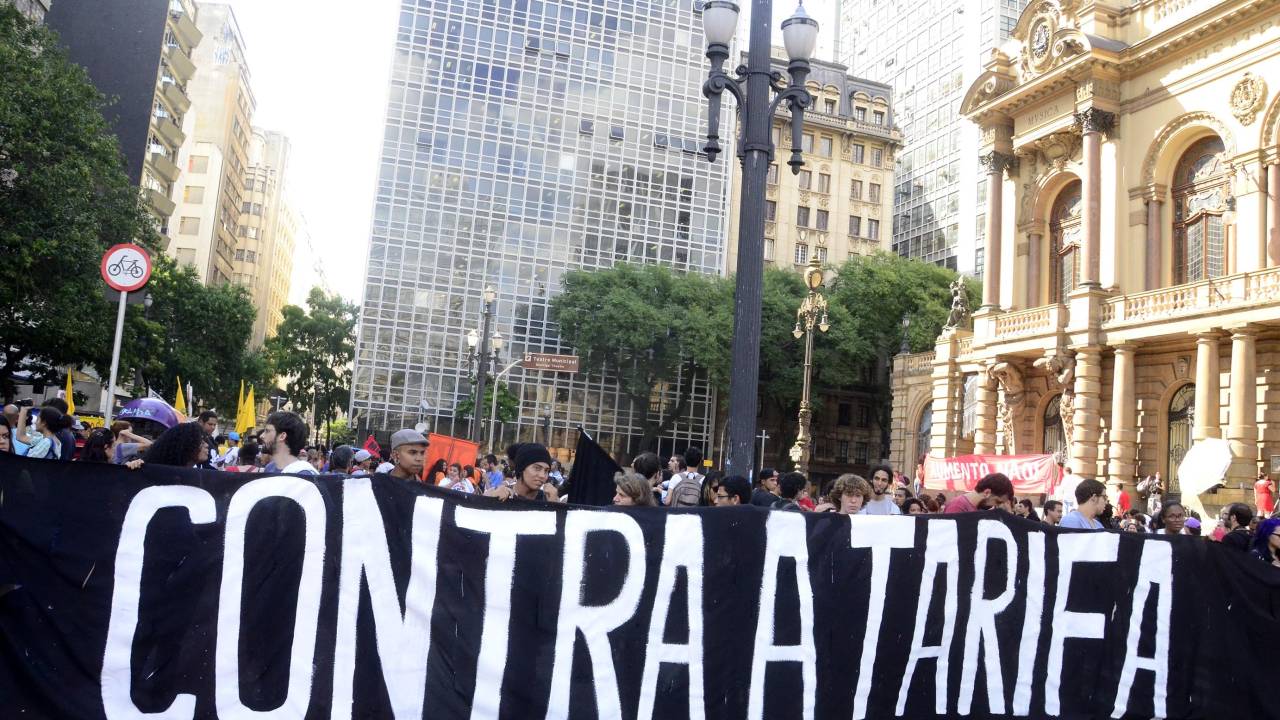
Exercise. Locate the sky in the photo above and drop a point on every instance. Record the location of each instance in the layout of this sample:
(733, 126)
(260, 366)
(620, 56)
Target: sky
(320, 76)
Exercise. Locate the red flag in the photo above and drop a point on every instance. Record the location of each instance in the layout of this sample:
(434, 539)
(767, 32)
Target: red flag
(373, 447)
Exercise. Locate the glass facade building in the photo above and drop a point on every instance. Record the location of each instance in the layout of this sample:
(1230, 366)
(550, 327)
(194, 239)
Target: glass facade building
(930, 51)
(524, 139)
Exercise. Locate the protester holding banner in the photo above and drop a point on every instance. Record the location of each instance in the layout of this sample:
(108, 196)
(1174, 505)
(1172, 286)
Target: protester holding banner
(1171, 519)
(849, 495)
(881, 502)
(914, 506)
(733, 490)
(531, 462)
(1091, 500)
(283, 439)
(182, 445)
(634, 490)
(408, 455)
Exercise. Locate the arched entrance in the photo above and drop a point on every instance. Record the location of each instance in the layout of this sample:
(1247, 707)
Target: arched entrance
(1199, 202)
(924, 432)
(1053, 439)
(1182, 411)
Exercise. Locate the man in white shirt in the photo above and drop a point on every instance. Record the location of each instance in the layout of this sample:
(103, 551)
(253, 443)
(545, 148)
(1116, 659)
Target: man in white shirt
(881, 502)
(1091, 500)
(283, 439)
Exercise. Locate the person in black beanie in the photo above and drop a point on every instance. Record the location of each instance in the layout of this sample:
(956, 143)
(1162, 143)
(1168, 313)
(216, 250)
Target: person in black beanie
(531, 463)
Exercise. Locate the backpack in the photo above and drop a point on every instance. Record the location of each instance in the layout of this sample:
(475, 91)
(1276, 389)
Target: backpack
(687, 492)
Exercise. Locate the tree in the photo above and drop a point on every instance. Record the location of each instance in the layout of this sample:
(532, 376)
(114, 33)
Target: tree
(339, 432)
(197, 333)
(315, 349)
(651, 328)
(508, 407)
(64, 199)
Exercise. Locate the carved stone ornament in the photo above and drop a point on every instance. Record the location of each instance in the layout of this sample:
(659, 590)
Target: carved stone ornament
(824, 201)
(958, 318)
(1095, 120)
(1248, 97)
(996, 162)
(1010, 406)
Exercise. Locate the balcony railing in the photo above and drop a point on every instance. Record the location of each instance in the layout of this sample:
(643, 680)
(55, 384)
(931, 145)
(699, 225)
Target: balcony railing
(1206, 296)
(919, 363)
(1034, 321)
(964, 346)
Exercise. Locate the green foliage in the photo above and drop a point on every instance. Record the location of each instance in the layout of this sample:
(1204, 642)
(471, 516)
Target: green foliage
(197, 333)
(650, 327)
(339, 432)
(64, 199)
(508, 405)
(315, 349)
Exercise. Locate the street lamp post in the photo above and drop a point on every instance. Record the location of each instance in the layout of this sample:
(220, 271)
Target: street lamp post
(486, 313)
(759, 90)
(812, 313)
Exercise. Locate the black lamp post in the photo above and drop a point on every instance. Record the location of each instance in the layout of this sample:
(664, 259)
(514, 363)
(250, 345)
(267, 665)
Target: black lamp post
(759, 90)
(482, 358)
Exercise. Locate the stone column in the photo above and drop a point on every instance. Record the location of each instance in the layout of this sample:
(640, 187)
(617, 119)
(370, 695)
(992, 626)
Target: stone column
(984, 432)
(1242, 427)
(1087, 420)
(994, 164)
(1123, 455)
(1093, 124)
(1208, 391)
(1033, 269)
(1273, 214)
(1155, 243)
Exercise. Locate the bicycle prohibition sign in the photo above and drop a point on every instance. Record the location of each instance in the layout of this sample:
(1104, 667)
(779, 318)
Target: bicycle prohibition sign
(126, 267)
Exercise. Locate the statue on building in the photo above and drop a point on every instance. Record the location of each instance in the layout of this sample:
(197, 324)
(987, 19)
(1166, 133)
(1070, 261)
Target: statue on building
(959, 317)
(1008, 377)
(1062, 366)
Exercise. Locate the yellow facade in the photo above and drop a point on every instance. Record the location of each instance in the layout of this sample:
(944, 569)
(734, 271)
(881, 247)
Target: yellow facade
(268, 227)
(1132, 283)
(841, 203)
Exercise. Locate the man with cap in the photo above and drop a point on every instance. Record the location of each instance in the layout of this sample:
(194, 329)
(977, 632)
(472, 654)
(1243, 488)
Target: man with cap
(361, 460)
(532, 464)
(231, 457)
(408, 454)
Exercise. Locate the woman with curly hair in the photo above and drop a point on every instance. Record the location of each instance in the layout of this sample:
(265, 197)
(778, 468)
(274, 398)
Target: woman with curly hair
(848, 495)
(182, 445)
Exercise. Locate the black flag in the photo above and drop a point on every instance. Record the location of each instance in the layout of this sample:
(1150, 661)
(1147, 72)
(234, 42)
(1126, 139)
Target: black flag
(591, 480)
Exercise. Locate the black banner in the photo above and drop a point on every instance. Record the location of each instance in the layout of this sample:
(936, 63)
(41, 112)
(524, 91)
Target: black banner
(176, 594)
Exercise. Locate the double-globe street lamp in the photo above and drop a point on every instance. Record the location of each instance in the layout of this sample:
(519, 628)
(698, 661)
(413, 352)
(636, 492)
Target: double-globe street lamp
(812, 314)
(483, 358)
(759, 91)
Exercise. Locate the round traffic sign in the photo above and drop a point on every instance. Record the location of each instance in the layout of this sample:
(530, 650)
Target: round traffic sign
(126, 267)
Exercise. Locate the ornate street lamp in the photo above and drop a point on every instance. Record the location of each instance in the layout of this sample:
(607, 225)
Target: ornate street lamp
(483, 358)
(812, 313)
(759, 91)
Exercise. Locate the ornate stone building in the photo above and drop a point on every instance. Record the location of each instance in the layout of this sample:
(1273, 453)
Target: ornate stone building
(1131, 299)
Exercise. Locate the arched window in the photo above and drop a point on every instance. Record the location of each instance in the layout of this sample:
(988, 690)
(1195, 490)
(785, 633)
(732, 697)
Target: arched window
(1066, 234)
(924, 431)
(1199, 200)
(1182, 411)
(1054, 438)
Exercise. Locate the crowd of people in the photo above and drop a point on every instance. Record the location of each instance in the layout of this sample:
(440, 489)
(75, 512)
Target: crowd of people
(527, 471)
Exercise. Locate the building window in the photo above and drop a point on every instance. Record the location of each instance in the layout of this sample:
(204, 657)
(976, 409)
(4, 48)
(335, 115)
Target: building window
(587, 127)
(193, 194)
(1199, 201)
(823, 217)
(802, 254)
(877, 156)
(239, 254)
(802, 217)
(830, 105)
(805, 178)
(873, 229)
(770, 210)
(186, 256)
(773, 174)
(864, 416)
(860, 114)
(842, 451)
(806, 142)
(877, 117)
(855, 190)
(769, 248)
(824, 183)
(825, 146)
(198, 164)
(189, 226)
(860, 453)
(1065, 235)
(1182, 410)
(859, 154)
(821, 253)
(844, 414)
(873, 192)
(855, 226)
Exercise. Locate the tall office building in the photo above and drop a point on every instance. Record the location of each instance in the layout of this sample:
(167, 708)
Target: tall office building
(138, 52)
(524, 140)
(267, 232)
(930, 51)
(215, 155)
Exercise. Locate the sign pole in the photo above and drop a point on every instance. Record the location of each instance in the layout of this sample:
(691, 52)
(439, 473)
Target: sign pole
(109, 402)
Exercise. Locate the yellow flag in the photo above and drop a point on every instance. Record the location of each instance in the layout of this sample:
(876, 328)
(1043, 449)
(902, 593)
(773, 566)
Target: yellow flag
(180, 404)
(246, 419)
(240, 408)
(71, 402)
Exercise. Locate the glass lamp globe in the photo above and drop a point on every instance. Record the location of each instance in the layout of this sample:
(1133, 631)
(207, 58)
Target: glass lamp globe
(800, 34)
(719, 21)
